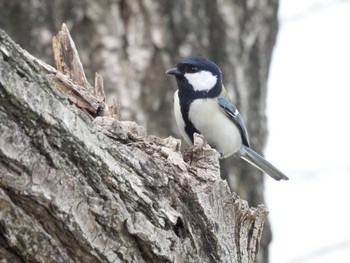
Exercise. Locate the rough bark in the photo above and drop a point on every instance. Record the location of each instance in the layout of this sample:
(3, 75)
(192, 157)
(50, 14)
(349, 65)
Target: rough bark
(131, 43)
(77, 190)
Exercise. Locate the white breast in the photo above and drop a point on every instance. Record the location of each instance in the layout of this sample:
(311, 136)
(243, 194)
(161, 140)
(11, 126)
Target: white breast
(212, 122)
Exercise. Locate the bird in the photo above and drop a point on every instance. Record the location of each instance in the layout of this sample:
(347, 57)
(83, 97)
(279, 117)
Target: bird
(202, 105)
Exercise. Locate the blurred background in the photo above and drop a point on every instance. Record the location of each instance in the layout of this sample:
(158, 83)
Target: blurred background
(285, 66)
(308, 115)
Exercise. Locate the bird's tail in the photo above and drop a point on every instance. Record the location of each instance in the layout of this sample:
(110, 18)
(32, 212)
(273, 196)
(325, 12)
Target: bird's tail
(259, 162)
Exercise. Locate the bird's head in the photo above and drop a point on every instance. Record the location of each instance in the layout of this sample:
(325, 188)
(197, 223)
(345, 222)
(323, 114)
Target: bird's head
(198, 75)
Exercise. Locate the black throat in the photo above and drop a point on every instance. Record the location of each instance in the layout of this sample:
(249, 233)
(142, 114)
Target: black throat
(187, 95)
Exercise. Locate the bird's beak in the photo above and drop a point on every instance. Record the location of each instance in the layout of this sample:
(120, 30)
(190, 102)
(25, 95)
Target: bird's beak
(173, 71)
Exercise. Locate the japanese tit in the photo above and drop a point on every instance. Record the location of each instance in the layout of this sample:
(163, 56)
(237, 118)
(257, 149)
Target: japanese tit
(201, 105)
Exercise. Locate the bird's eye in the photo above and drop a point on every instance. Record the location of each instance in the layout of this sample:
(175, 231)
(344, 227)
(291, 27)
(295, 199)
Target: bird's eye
(192, 69)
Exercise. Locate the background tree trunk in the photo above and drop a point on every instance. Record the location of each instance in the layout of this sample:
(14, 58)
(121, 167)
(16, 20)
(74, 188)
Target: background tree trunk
(73, 190)
(132, 43)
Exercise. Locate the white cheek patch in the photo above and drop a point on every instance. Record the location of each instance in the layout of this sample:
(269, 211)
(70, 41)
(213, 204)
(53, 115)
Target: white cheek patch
(201, 81)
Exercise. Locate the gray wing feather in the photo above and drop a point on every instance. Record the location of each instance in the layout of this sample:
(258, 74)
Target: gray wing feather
(233, 113)
(246, 153)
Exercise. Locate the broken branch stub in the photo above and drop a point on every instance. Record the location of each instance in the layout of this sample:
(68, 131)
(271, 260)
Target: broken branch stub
(67, 58)
(76, 86)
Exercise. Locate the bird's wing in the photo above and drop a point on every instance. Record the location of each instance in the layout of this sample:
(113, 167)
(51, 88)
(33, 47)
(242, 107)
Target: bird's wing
(233, 113)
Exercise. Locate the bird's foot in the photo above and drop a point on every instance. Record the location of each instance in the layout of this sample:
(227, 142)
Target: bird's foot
(203, 159)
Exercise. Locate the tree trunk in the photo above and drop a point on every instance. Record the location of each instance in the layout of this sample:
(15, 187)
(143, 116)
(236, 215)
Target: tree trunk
(132, 43)
(77, 190)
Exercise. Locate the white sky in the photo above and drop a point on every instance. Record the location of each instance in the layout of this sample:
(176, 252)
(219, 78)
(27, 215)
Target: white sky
(309, 122)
